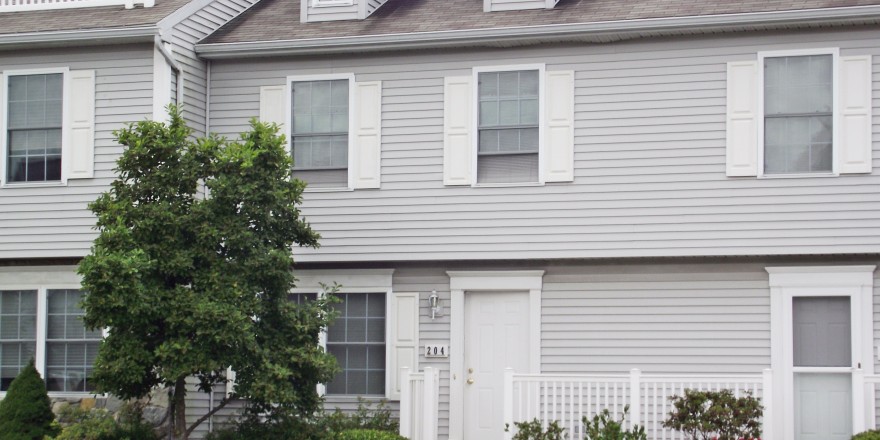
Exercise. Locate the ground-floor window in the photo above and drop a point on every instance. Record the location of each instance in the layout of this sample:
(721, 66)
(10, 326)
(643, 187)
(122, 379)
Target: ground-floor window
(46, 325)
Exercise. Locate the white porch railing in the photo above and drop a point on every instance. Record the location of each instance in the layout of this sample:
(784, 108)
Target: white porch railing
(419, 395)
(865, 383)
(33, 5)
(567, 398)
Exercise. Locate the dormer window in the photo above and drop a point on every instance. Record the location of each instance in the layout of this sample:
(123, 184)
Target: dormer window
(319, 3)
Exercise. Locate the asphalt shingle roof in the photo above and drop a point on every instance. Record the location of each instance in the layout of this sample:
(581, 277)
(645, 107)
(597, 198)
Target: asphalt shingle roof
(273, 20)
(89, 18)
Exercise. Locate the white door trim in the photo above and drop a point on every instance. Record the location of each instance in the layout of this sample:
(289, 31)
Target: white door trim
(461, 282)
(786, 283)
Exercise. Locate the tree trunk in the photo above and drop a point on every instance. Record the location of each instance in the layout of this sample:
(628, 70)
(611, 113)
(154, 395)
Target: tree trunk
(178, 410)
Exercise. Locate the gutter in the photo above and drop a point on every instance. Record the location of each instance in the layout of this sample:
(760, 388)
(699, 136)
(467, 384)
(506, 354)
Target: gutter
(597, 31)
(66, 38)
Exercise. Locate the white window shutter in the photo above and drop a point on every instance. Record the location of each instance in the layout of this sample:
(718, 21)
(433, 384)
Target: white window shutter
(559, 126)
(404, 338)
(854, 151)
(458, 130)
(273, 103)
(742, 118)
(366, 157)
(81, 125)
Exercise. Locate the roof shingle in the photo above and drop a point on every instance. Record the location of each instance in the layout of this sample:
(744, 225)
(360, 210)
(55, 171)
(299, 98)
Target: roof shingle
(275, 20)
(88, 18)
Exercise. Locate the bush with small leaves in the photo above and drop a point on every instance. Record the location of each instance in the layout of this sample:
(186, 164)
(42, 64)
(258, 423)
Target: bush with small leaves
(368, 434)
(604, 427)
(716, 414)
(867, 435)
(26, 411)
(535, 430)
(100, 424)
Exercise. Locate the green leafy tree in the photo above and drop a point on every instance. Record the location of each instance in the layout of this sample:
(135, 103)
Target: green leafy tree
(189, 284)
(26, 411)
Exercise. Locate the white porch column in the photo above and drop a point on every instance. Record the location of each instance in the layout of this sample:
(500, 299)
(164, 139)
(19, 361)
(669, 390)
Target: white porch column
(635, 402)
(507, 398)
(406, 403)
(767, 394)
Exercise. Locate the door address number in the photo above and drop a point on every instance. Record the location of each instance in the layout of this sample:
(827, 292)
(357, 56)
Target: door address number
(437, 351)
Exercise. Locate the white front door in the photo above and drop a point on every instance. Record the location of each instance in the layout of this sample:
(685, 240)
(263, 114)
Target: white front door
(821, 366)
(496, 337)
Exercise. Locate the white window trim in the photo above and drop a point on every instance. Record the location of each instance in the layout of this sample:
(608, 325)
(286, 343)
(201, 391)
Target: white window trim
(352, 104)
(463, 282)
(42, 329)
(65, 125)
(352, 281)
(855, 282)
(327, 3)
(475, 136)
(835, 144)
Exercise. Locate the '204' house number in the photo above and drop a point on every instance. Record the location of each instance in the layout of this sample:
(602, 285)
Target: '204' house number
(436, 351)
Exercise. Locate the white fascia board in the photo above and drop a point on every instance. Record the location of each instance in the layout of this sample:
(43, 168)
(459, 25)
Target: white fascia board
(601, 31)
(68, 38)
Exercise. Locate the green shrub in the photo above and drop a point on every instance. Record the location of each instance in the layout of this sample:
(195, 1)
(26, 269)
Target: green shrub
(100, 424)
(368, 434)
(323, 426)
(708, 414)
(534, 430)
(377, 418)
(867, 435)
(604, 427)
(26, 411)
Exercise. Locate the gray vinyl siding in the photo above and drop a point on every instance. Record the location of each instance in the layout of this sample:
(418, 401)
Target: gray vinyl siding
(649, 161)
(700, 318)
(53, 221)
(194, 79)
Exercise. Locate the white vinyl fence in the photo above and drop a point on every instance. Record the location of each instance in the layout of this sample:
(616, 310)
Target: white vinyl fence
(567, 398)
(419, 396)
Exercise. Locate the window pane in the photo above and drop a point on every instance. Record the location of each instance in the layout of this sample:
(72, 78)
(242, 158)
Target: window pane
(34, 129)
(798, 144)
(504, 168)
(70, 348)
(822, 331)
(509, 117)
(18, 329)
(357, 340)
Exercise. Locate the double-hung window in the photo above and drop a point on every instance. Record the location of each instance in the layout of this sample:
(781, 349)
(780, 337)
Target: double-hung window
(46, 325)
(509, 126)
(34, 127)
(320, 132)
(798, 114)
(47, 126)
(358, 342)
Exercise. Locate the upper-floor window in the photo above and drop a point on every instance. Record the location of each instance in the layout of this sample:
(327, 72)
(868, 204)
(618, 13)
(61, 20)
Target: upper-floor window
(320, 132)
(798, 114)
(509, 126)
(64, 354)
(34, 127)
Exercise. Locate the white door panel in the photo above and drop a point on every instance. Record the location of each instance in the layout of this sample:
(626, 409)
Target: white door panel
(823, 406)
(496, 337)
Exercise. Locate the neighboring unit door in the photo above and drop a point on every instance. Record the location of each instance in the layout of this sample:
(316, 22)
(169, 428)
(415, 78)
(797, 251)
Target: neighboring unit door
(496, 337)
(822, 367)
